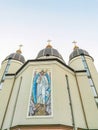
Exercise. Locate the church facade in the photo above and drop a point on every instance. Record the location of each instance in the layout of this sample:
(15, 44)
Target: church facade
(46, 93)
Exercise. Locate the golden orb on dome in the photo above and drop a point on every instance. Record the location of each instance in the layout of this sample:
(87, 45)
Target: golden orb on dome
(75, 46)
(49, 45)
(19, 50)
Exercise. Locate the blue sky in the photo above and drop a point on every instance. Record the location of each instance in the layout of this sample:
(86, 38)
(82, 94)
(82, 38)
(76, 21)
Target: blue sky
(33, 22)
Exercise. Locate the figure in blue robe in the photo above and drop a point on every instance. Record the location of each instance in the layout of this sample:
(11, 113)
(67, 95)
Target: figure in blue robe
(41, 88)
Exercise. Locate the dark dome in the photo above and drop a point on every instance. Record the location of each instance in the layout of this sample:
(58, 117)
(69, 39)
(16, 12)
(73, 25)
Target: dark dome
(49, 51)
(77, 52)
(16, 56)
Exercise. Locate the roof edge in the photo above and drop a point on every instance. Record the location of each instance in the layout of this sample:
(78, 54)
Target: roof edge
(45, 60)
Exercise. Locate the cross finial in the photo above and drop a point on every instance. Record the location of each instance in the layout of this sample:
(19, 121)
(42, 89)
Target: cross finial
(20, 46)
(19, 50)
(49, 41)
(49, 45)
(74, 42)
(75, 46)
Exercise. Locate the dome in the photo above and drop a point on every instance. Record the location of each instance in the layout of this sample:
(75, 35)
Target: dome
(16, 56)
(49, 51)
(77, 52)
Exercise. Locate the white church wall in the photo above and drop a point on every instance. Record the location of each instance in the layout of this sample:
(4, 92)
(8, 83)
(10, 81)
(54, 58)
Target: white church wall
(15, 65)
(93, 72)
(76, 102)
(76, 63)
(3, 66)
(4, 97)
(57, 116)
(89, 104)
(17, 113)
